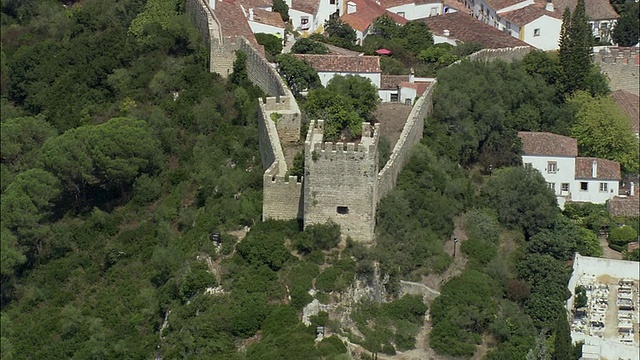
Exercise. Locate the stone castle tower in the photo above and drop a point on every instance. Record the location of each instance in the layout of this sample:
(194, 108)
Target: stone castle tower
(341, 181)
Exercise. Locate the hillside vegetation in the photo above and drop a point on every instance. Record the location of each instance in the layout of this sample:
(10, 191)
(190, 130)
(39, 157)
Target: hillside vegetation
(122, 158)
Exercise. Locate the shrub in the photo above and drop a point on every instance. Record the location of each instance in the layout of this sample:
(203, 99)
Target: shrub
(623, 235)
(272, 44)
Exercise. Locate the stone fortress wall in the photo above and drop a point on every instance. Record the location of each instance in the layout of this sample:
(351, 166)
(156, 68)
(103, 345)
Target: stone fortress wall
(621, 65)
(282, 195)
(341, 181)
(411, 135)
(506, 54)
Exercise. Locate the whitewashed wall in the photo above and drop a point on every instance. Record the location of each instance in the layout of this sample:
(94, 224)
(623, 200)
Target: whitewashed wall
(413, 11)
(549, 33)
(326, 76)
(257, 27)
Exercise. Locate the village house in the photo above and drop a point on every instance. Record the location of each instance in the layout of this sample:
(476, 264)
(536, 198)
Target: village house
(264, 21)
(391, 88)
(361, 14)
(460, 27)
(538, 22)
(403, 88)
(415, 9)
(572, 178)
(328, 66)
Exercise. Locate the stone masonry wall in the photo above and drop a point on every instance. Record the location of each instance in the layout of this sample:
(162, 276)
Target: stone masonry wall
(340, 182)
(507, 54)
(282, 195)
(222, 51)
(411, 134)
(621, 65)
(286, 116)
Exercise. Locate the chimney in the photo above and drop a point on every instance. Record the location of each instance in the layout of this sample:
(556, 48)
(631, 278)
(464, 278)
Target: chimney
(250, 14)
(351, 7)
(446, 32)
(212, 4)
(549, 6)
(632, 189)
(594, 169)
(412, 76)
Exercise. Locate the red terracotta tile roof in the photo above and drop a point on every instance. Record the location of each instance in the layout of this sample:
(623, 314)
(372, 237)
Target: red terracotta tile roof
(366, 12)
(255, 4)
(306, 6)
(596, 9)
(544, 143)
(628, 205)
(393, 3)
(392, 81)
(529, 13)
(268, 18)
(625, 206)
(466, 28)
(419, 87)
(630, 104)
(233, 22)
(606, 169)
(342, 63)
(458, 5)
(501, 4)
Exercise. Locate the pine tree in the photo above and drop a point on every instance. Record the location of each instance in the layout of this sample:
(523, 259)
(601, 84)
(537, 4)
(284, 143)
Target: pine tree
(564, 52)
(576, 43)
(563, 349)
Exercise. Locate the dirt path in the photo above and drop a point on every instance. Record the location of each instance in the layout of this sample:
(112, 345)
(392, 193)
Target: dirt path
(608, 253)
(435, 281)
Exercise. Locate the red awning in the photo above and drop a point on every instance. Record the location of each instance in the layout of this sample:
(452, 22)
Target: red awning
(383, 52)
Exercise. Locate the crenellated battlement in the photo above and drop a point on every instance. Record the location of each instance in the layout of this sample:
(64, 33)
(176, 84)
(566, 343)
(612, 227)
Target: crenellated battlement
(341, 180)
(617, 55)
(366, 148)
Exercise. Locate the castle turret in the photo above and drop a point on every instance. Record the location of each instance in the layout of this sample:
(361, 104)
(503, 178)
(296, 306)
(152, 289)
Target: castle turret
(340, 181)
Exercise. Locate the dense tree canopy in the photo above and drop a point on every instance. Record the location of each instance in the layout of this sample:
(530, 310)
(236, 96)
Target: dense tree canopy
(603, 131)
(627, 29)
(344, 104)
(298, 74)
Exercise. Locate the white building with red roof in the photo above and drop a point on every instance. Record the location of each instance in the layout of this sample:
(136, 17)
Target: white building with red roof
(264, 21)
(360, 15)
(328, 66)
(572, 178)
(415, 9)
(538, 22)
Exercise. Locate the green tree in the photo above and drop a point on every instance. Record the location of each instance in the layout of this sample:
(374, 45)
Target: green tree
(297, 73)
(108, 156)
(602, 130)
(309, 46)
(622, 235)
(627, 30)
(416, 36)
(338, 29)
(272, 44)
(385, 27)
(581, 297)
(522, 199)
(12, 257)
(576, 41)
(281, 7)
(28, 201)
(563, 349)
(633, 255)
(240, 76)
(362, 93)
(340, 116)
